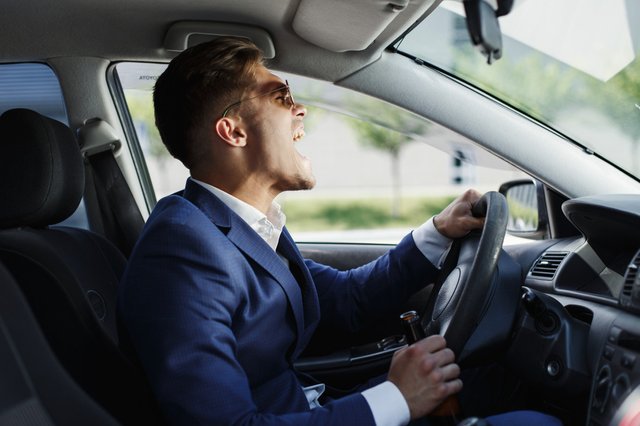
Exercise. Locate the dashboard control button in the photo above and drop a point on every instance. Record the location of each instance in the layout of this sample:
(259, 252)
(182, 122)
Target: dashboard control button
(609, 352)
(628, 360)
(614, 334)
(620, 387)
(602, 389)
(554, 368)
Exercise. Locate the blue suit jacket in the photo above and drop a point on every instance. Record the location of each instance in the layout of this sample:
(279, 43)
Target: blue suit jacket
(217, 318)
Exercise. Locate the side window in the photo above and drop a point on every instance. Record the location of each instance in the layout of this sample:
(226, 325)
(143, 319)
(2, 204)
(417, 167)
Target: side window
(168, 175)
(34, 86)
(381, 171)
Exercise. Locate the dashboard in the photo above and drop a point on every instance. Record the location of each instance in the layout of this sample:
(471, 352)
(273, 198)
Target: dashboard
(577, 340)
(580, 331)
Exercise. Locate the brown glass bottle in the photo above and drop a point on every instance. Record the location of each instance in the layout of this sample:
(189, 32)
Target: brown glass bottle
(412, 326)
(445, 413)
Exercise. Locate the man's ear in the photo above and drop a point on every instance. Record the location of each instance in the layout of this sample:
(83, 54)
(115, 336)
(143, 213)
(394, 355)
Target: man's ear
(231, 131)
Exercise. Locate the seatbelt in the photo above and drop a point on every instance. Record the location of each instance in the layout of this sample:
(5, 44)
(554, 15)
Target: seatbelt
(122, 221)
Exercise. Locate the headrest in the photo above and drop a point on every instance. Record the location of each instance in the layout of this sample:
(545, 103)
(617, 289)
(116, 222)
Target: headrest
(41, 170)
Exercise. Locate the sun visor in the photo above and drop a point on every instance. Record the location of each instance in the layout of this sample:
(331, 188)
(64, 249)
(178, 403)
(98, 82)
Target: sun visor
(340, 25)
(182, 35)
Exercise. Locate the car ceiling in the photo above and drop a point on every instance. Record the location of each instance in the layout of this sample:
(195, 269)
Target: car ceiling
(82, 38)
(36, 30)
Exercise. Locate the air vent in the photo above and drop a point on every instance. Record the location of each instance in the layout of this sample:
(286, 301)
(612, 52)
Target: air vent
(630, 276)
(548, 264)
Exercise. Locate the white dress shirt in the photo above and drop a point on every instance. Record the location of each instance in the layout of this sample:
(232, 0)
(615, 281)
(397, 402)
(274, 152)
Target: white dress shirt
(388, 406)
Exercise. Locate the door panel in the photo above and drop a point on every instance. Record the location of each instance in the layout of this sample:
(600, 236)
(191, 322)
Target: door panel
(341, 359)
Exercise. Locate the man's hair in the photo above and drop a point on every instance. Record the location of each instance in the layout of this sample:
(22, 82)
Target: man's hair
(196, 87)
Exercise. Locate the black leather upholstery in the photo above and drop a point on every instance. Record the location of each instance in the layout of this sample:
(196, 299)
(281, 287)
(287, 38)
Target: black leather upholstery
(69, 276)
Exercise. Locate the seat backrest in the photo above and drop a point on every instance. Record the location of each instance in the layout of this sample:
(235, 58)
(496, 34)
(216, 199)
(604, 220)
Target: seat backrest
(68, 276)
(35, 389)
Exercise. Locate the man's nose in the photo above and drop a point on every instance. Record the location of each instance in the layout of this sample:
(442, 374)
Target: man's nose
(299, 110)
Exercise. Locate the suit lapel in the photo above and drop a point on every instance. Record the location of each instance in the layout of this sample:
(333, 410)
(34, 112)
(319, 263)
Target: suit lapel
(310, 303)
(249, 242)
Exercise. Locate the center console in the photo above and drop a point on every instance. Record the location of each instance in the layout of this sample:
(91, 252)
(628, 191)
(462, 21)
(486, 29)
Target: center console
(615, 397)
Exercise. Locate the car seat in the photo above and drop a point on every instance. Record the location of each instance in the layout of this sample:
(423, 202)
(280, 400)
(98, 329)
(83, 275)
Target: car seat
(68, 275)
(35, 389)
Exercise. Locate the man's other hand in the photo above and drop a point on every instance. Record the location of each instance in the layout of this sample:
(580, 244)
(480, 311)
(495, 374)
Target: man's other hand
(456, 220)
(425, 374)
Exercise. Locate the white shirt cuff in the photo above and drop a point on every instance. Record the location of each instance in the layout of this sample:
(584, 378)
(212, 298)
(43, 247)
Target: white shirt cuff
(431, 242)
(387, 404)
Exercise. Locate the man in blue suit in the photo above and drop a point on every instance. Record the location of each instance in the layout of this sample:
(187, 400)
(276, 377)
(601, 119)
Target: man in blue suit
(217, 301)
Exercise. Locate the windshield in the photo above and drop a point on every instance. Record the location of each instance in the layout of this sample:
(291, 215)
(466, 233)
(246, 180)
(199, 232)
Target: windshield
(570, 64)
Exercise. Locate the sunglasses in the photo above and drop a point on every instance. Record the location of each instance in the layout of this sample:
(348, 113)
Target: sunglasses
(286, 98)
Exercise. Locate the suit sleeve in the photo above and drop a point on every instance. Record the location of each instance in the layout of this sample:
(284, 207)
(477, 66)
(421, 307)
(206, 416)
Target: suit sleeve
(178, 300)
(349, 299)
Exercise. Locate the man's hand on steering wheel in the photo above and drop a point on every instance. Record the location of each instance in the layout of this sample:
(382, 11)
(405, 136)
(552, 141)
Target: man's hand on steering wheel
(426, 372)
(457, 220)
(463, 289)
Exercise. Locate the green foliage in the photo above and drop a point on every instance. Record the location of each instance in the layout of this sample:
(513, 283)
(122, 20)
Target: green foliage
(628, 80)
(620, 98)
(384, 126)
(541, 94)
(387, 128)
(378, 137)
(369, 213)
(555, 87)
(523, 212)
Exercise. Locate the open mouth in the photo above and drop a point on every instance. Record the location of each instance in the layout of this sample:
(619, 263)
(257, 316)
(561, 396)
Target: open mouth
(298, 135)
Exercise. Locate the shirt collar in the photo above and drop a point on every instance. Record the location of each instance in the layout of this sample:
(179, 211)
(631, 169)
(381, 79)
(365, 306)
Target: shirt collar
(269, 227)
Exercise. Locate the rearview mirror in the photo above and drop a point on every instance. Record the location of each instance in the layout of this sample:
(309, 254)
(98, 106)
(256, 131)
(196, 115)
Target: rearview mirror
(483, 26)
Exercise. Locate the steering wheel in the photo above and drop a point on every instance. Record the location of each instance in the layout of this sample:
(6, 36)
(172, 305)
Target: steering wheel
(458, 300)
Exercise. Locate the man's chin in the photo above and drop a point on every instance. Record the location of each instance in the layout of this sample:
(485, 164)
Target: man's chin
(310, 185)
(310, 180)
(305, 178)
(306, 183)
(301, 183)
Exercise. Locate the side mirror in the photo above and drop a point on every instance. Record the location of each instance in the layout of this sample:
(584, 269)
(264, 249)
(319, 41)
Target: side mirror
(527, 208)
